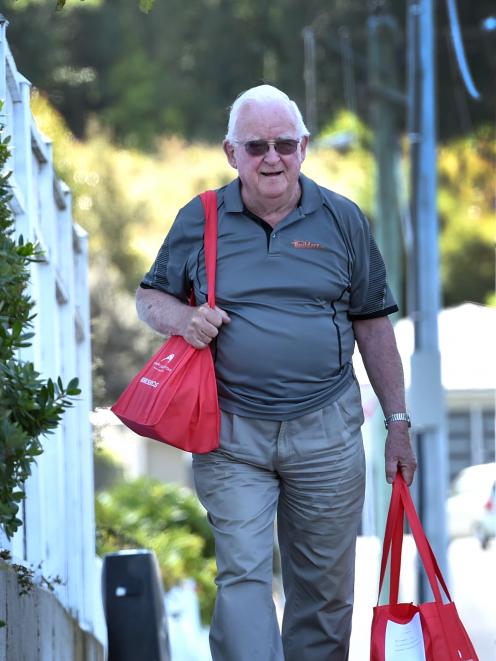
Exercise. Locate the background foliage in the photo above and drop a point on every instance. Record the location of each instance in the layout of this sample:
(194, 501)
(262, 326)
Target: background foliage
(167, 519)
(466, 203)
(176, 70)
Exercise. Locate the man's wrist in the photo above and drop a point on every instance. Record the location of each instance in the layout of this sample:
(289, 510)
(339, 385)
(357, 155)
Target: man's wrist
(397, 417)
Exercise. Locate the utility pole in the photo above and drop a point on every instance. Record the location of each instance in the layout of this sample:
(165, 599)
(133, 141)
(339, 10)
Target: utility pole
(347, 60)
(386, 107)
(426, 398)
(310, 78)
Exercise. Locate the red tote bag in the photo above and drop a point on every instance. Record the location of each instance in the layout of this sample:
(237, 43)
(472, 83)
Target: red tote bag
(404, 632)
(173, 399)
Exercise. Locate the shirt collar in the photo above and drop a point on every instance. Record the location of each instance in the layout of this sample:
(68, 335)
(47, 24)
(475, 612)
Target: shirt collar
(232, 197)
(311, 198)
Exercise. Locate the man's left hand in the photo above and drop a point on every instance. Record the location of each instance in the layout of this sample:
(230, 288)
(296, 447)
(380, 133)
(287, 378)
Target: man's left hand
(399, 453)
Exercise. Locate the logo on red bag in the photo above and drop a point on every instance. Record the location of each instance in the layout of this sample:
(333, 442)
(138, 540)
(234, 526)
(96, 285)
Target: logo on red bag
(163, 364)
(149, 382)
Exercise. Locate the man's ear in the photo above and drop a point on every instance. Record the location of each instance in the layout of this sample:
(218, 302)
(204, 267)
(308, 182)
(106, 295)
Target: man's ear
(303, 147)
(229, 152)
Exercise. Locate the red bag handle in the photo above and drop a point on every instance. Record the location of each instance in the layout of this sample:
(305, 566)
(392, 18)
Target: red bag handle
(392, 527)
(401, 504)
(424, 548)
(209, 201)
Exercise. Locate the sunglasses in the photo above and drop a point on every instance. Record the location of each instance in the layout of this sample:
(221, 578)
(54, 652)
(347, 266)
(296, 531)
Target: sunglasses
(283, 146)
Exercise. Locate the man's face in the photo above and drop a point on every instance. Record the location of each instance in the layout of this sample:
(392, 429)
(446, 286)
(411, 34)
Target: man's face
(271, 177)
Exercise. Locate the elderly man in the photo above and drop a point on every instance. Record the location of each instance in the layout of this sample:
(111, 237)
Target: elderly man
(299, 280)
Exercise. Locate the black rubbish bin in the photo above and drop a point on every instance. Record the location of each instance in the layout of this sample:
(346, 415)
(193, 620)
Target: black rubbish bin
(133, 603)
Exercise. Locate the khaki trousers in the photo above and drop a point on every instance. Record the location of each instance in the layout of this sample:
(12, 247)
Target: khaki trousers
(311, 470)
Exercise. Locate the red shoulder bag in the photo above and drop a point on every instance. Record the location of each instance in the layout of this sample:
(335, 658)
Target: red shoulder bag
(173, 399)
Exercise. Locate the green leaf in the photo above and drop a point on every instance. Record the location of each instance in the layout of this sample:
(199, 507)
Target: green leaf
(43, 397)
(51, 389)
(73, 384)
(16, 328)
(146, 5)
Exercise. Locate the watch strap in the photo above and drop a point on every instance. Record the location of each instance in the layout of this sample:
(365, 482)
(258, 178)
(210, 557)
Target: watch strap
(397, 417)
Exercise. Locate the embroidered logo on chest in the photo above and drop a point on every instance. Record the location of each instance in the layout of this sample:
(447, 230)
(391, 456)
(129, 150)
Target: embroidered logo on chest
(309, 245)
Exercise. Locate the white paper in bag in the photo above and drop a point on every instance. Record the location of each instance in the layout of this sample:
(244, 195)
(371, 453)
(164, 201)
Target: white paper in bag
(405, 642)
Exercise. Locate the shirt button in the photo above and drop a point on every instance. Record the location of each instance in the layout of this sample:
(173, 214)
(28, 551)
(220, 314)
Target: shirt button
(274, 236)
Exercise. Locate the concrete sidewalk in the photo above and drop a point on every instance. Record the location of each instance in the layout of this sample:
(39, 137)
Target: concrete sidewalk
(471, 581)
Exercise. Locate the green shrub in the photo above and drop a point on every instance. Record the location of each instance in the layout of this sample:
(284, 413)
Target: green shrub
(167, 519)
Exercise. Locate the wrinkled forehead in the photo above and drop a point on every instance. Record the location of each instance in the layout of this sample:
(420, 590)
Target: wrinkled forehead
(266, 120)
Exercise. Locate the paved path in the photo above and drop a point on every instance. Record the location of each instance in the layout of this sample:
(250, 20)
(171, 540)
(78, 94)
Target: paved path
(472, 583)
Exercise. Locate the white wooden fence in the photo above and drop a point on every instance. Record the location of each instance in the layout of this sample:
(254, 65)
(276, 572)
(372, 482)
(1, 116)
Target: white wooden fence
(58, 515)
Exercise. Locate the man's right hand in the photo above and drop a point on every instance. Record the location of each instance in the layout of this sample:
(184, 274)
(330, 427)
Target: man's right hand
(202, 324)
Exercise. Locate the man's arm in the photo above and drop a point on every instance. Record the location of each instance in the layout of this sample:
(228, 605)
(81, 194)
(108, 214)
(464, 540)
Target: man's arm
(169, 316)
(377, 345)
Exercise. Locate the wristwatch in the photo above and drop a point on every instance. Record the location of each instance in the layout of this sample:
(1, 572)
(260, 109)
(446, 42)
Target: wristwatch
(396, 417)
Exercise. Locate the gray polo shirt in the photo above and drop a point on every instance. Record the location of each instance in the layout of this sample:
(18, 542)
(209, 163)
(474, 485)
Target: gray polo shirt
(291, 292)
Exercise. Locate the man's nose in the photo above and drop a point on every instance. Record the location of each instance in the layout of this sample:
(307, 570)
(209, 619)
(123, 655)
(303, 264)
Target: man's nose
(272, 156)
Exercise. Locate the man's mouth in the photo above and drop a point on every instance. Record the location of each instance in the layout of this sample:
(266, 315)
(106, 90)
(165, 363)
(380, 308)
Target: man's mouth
(271, 174)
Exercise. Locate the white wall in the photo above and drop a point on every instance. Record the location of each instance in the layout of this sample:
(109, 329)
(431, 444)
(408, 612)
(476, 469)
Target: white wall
(59, 527)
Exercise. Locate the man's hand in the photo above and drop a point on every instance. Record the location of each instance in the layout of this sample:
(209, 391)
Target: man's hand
(202, 324)
(399, 453)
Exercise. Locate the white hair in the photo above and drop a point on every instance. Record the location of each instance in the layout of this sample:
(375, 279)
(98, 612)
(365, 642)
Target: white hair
(264, 94)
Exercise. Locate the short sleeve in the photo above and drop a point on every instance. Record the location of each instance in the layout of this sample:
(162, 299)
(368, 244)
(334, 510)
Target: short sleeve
(170, 271)
(370, 294)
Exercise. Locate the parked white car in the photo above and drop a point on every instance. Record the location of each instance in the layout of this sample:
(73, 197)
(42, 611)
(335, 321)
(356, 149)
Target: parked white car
(466, 509)
(485, 526)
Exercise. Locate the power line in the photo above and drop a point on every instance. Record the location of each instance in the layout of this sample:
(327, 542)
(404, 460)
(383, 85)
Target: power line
(460, 99)
(457, 40)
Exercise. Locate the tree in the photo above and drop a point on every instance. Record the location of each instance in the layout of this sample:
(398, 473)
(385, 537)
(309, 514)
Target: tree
(466, 209)
(177, 69)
